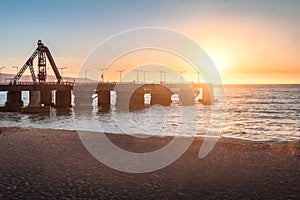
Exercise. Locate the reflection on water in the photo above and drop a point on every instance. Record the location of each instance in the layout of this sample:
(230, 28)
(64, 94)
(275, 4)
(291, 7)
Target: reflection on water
(257, 113)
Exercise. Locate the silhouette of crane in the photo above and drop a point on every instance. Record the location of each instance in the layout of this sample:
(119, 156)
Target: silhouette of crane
(42, 52)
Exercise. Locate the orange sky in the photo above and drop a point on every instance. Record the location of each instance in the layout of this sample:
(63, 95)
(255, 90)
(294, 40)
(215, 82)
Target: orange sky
(252, 52)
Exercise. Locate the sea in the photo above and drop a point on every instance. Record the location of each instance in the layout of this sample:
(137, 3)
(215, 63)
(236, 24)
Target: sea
(267, 113)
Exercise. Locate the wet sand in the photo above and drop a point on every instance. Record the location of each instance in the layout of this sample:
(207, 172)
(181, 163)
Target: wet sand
(54, 164)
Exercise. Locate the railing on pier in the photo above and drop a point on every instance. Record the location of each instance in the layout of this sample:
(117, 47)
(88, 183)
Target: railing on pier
(32, 83)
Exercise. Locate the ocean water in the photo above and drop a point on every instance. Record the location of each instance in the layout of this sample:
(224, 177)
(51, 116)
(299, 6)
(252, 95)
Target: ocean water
(269, 112)
(253, 112)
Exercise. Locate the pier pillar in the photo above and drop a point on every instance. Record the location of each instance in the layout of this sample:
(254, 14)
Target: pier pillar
(83, 99)
(207, 94)
(103, 100)
(34, 99)
(47, 98)
(122, 101)
(34, 105)
(186, 97)
(63, 99)
(103, 97)
(14, 102)
(163, 99)
(137, 101)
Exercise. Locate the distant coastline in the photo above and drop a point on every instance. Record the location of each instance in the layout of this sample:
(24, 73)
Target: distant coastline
(263, 85)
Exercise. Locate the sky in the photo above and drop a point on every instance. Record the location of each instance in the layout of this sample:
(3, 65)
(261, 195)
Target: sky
(254, 42)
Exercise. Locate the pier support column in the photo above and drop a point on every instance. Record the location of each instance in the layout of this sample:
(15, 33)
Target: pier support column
(163, 99)
(137, 101)
(83, 99)
(207, 94)
(34, 99)
(104, 98)
(47, 98)
(14, 101)
(123, 99)
(186, 97)
(63, 99)
(34, 105)
(128, 101)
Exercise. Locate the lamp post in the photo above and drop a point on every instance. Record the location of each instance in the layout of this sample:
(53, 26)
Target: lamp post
(102, 73)
(161, 71)
(182, 72)
(16, 68)
(198, 73)
(62, 70)
(1, 73)
(144, 72)
(85, 74)
(120, 71)
(164, 71)
(137, 75)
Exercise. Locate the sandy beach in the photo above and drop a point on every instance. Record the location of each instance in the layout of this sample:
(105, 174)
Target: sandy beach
(54, 164)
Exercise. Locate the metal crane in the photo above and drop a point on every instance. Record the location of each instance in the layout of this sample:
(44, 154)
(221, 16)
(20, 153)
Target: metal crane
(42, 52)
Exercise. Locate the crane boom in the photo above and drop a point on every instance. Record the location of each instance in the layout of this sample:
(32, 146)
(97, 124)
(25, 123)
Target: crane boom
(28, 63)
(52, 63)
(42, 51)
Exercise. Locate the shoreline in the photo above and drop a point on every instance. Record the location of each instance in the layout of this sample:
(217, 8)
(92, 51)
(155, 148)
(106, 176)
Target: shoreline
(227, 138)
(54, 164)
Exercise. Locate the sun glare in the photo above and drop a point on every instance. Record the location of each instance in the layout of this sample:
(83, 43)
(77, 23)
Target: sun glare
(220, 61)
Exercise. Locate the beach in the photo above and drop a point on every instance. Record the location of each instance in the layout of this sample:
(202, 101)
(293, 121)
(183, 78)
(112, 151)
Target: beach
(54, 164)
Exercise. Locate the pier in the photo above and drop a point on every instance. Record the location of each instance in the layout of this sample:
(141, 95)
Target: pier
(130, 96)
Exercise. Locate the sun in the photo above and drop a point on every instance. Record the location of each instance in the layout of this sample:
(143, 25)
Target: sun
(221, 61)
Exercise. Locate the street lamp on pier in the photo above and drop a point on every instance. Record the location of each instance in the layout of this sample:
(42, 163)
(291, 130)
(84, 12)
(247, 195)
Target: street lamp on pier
(120, 71)
(164, 71)
(144, 72)
(161, 72)
(137, 75)
(102, 73)
(181, 72)
(16, 68)
(198, 73)
(62, 70)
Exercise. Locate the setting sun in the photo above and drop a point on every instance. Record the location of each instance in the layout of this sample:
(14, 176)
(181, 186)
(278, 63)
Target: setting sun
(221, 61)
